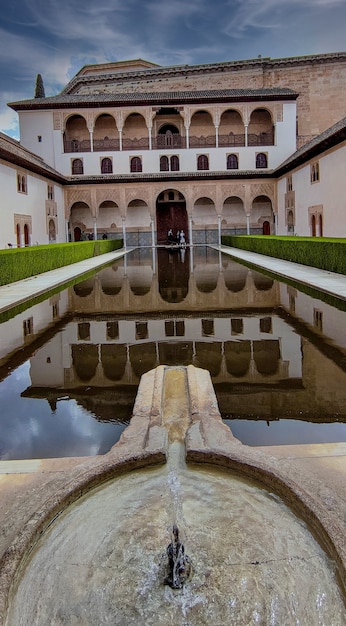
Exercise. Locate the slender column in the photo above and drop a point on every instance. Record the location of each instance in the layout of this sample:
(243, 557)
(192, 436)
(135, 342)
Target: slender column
(187, 136)
(124, 232)
(190, 231)
(152, 234)
(248, 224)
(66, 230)
(246, 127)
(91, 141)
(95, 228)
(219, 229)
(217, 136)
(120, 140)
(149, 135)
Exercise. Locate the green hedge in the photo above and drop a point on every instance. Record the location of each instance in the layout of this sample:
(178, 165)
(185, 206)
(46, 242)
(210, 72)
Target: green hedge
(325, 253)
(19, 263)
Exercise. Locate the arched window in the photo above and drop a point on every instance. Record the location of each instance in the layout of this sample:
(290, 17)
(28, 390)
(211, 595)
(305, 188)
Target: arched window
(106, 166)
(77, 166)
(202, 162)
(136, 164)
(164, 164)
(175, 163)
(232, 162)
(261, 160)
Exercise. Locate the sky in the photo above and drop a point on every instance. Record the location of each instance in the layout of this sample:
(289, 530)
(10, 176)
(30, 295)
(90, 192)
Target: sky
(56, 38)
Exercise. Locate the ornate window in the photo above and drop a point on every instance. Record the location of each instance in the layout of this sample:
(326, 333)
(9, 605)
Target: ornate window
(22, 183)
(175, 163)
(202, 162)
(164, 164)
(136, 164)
(77, 166)
(106, 166)
(314, 172)
(261, 160)
(232, 162)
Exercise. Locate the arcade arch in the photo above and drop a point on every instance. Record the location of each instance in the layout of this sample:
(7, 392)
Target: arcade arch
(80, 220)
(262, 216)
(170, 213)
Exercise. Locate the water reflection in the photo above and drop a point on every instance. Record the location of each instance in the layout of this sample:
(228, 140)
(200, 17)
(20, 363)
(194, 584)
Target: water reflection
(71, 365)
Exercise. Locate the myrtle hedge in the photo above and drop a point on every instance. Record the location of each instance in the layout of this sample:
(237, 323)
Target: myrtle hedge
(325, 253)
(19, 263)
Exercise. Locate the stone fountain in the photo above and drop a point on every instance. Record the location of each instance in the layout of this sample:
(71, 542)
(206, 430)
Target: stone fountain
(178, 524)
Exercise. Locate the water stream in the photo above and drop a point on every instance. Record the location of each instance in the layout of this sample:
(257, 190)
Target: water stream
(253, 561)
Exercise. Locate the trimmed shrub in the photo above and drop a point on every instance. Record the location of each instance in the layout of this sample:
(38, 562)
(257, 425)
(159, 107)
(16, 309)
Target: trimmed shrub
(325, 253)
(19, 263)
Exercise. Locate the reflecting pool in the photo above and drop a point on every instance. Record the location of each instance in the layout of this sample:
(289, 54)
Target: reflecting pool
(70, 366)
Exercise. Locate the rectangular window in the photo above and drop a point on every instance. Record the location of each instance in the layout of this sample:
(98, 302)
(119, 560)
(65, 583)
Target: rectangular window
(289, 185)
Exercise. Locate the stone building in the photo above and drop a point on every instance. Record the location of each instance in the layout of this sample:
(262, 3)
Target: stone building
(207, 149)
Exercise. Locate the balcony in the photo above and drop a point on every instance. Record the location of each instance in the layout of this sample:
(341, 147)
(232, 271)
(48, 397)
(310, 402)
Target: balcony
(74, 145)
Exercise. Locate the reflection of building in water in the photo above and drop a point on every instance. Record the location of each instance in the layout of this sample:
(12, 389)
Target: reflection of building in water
(178, 284)
(271, 350)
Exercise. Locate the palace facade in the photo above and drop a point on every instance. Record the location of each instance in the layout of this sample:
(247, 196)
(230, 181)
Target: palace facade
(131, 149)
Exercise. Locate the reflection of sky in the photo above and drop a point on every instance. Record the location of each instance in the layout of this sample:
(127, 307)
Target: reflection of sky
(30, 429)
(285, 432)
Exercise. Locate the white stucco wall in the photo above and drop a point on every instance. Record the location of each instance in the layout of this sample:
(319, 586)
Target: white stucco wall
(32, 203)
(329, 193)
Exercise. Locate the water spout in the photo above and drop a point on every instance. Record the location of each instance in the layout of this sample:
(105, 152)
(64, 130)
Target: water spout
(179, 564)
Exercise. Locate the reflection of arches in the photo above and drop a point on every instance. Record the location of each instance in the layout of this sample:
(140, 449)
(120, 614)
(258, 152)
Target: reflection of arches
(84, 288)
(237, 357)
(206, 278)
(85, 359)
(180, 353)
(209, 357)
(262, 282)
(266, 354)
(114, 359)
(235, 276)
(173, 275)
(111, 281)
(143, 358)
(170, 213)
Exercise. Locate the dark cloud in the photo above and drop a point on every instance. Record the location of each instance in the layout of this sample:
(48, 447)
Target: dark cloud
(57, 37)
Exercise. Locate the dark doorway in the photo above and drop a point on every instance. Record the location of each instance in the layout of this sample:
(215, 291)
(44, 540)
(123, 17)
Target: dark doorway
(170, 213)
(77, 234)
(266, 228)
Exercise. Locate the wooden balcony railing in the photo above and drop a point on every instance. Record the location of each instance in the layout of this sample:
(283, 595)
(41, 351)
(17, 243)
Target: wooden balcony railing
(102, 145)
(136, 144)
(74, 145)
(263, 139)
(231, 140)
(202, 142)
(167, 142)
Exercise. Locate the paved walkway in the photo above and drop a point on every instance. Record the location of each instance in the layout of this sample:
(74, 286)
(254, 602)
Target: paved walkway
(328, 282)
